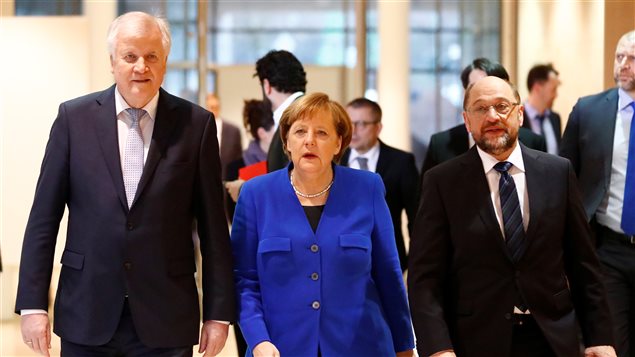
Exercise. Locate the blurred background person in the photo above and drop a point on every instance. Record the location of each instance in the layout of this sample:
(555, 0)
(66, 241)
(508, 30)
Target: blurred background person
(396, 167)
(315, 258)
(453, 142)
(542, 84)
(600, 142)
(228, 134)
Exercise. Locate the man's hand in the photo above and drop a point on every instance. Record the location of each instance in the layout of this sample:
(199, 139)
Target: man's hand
(213, 337)
(233, 188)
(600, 351)
(36, 332)
(266, 349)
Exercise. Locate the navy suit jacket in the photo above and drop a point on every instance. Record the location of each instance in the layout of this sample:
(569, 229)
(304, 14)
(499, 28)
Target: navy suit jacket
(463, 283)
(588, 143)
(340, 288)
(400, 176)
(145, 252)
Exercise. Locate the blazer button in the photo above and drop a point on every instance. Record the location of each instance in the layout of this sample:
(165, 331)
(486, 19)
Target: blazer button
(315, 276)
(130, 226)
(127, 265)
(315, 248)
(315, 305)
(508, 316)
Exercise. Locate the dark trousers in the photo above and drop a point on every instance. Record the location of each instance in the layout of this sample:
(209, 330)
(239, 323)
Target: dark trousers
(617, 256)
(528, 340)
(125, 343)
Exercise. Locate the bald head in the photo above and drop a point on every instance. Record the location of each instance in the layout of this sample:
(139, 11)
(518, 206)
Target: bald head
(624, 65)
(490, 83)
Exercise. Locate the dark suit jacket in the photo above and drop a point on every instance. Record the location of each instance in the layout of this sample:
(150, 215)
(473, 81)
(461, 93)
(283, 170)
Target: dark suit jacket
(588, 143)
(554, 118)
(276, 157)
(145, 252)
(231, 147)
(398, 171)
(453, 142)
(462, 282)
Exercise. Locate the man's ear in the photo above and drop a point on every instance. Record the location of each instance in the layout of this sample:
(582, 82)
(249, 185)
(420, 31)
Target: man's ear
(266, 86)
(521, 114)
(467, 122)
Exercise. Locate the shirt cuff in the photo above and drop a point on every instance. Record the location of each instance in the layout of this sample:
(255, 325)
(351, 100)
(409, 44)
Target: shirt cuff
(32, 312)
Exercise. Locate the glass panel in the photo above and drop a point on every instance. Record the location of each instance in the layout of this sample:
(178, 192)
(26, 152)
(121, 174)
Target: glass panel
(422, 51)
(47, 8)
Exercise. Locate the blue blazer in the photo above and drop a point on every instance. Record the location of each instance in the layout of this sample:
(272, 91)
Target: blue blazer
(340, 288)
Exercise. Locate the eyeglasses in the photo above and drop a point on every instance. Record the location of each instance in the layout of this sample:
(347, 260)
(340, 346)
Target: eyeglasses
(363, 124)
(502, 109)
(620, 57)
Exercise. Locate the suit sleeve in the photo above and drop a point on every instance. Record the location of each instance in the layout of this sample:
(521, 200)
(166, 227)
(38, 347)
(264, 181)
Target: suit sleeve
(244, 240)
(219, 302)
(429, 264)
(51, 196)
(584, 272)
(386, 272)
(570, 139)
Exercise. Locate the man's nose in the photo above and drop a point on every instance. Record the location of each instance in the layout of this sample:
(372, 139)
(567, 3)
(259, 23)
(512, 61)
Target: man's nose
(140, 66)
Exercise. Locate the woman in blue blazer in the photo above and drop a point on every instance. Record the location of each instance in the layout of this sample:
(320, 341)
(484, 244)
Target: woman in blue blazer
(316, 265)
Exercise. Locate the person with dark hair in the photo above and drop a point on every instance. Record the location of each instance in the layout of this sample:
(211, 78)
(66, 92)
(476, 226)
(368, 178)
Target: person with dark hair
(501, 260)
(396, 167)
(542, 84)
(316, 268)
(599, 139)
(283, 80)
(258, 121)
(136, 167)
(453, 142)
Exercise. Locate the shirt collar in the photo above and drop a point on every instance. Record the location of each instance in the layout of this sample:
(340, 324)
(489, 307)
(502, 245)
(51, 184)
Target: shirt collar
(516, 158)
(531, 112)
(372, 152)
(150, 108)
(277, 114)
(624, 100)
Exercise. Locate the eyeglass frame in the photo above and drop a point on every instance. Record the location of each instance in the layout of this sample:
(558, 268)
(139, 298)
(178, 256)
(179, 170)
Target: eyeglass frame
(363, 123)
(489, 108)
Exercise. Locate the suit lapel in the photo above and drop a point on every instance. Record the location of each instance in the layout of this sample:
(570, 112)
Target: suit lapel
(344, 159)
(382, 160)
(163, 126)
(475, 177)
(604, 136)
(535, 173)
(107, 134)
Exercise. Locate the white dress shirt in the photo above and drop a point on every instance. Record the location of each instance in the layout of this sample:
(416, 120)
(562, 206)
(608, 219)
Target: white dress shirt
(609, 213)
(372, 155)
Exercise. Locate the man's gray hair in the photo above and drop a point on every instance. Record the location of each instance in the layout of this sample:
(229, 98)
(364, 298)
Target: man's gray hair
(161, 22)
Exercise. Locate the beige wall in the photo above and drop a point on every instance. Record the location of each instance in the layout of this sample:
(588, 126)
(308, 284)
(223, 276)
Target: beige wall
(568, 34)
(44, 62)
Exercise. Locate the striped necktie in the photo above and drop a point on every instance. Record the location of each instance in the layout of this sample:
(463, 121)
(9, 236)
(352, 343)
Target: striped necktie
(512, 216)
(133, 155)
(628, 209)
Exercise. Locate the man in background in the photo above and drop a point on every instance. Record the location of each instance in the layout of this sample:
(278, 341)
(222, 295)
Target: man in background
(542, 83)
(396, 167)
(228, 135)
(135, 166)
(600, 142)
(453, 142)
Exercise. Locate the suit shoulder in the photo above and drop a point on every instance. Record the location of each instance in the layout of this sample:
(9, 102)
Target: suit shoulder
(90, 98)
(594, 98)
(546, 157)
(394, 152)
(183, 104)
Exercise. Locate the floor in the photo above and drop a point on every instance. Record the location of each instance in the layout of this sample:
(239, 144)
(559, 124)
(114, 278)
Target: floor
(11, 342)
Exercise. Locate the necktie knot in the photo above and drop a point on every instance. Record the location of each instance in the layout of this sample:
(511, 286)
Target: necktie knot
(135, 115)
(503, 166)
(540, 118)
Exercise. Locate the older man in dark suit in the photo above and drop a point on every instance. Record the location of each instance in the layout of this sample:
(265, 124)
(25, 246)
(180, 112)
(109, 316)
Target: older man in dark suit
(396, 167)
(600, 142)
(501, 259)
(135, 166)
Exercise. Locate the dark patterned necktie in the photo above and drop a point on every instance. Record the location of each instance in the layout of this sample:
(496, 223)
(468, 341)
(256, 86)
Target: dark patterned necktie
(133, 155)
(628, 209)
(541, 120)
(512, 216)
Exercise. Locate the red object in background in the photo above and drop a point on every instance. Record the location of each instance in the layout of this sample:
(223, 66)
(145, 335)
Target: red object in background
(252, 171)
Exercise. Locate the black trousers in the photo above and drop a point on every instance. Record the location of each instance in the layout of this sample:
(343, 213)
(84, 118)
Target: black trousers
(125, 343)
(528, 340)
(617, 256)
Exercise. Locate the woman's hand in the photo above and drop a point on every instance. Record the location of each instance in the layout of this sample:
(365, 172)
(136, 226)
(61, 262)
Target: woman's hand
(266, 349)
(408, 353)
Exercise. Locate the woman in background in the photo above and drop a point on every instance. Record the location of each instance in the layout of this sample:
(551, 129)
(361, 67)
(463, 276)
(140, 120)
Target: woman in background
(316, 265)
